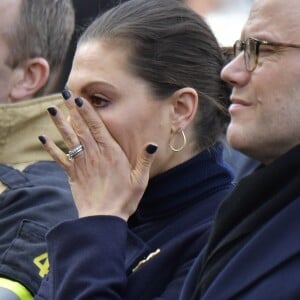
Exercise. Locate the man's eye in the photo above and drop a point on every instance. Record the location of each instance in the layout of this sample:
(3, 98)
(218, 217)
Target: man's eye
(98, 101)
(266, 50)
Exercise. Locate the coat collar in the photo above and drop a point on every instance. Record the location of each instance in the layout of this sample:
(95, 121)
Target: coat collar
(256, 199)
(245, 220)
(20, 125)
(184, 185)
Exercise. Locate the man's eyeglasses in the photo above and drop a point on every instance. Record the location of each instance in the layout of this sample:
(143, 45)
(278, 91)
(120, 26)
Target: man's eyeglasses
(251, 50)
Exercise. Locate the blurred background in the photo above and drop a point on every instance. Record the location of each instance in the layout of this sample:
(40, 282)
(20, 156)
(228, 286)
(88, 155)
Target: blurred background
(226, 17)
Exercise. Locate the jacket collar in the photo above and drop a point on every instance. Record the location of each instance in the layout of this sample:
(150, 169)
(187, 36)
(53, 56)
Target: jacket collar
(20, 125)
(183, 185)
(275, 185)
(255, 217)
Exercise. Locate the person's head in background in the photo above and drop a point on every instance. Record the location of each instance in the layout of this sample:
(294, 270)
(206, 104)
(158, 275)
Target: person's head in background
(203, 7)
(34, 38)
(152, 70)
(265, 110)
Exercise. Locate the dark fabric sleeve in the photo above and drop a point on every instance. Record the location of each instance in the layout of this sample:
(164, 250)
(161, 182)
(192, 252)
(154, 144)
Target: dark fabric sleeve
(87, 259)
(34, 201)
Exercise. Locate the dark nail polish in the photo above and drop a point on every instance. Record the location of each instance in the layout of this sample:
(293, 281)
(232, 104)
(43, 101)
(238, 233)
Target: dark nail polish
(52, 111)
(78, 102)
(151, 148)
(66, 94)
(42, 139)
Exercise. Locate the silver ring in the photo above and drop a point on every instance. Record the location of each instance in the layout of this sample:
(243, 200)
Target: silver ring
(72, 153)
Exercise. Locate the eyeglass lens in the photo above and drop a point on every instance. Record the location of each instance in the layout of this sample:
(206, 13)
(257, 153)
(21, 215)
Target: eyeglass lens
(250, 52)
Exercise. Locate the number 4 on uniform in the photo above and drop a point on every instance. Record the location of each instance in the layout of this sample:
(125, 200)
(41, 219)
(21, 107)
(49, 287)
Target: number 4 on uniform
(42, 263)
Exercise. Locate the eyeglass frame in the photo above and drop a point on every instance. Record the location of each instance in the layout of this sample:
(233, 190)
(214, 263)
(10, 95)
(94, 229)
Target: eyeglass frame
(258, 43)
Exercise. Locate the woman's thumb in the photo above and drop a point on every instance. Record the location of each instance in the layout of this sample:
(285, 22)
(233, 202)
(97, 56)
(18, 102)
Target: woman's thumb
(143, 164)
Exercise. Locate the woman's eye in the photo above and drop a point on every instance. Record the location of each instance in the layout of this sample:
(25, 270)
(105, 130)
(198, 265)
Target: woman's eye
(98, 101)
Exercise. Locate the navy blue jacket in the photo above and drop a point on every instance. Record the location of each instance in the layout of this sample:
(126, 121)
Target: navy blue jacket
(28, 208)
(103, 257)
(254, 247)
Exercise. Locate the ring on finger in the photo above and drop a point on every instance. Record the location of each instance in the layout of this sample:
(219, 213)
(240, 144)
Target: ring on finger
(72, 153)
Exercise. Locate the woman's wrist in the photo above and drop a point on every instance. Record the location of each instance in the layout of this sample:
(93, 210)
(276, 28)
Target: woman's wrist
(85, 213)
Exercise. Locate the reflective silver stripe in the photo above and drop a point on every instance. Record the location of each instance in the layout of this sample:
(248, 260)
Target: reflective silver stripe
(13, 290)
(7, 295)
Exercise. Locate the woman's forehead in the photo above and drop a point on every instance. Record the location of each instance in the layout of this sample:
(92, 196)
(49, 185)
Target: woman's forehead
(100, 53)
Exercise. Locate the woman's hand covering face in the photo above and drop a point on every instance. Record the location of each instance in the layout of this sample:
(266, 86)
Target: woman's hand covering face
(102, 180)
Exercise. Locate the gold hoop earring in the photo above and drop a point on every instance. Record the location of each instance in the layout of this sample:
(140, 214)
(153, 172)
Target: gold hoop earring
(183, 144)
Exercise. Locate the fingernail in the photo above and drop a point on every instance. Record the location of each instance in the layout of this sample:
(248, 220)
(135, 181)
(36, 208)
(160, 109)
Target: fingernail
(66, 94)
(151, 148)
(78, 102)
(52, 111)
(42, 139)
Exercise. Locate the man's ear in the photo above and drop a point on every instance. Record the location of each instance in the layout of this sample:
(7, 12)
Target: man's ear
(185, 106)
(29, 78)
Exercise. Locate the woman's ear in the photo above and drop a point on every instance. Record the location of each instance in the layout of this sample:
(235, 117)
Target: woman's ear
(185, 106)
(29, 78)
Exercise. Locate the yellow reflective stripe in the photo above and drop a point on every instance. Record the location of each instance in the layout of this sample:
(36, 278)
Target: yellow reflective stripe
(16, 288)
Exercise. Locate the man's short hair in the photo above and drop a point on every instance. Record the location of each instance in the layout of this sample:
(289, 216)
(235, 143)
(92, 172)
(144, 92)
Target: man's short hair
(44, 29)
